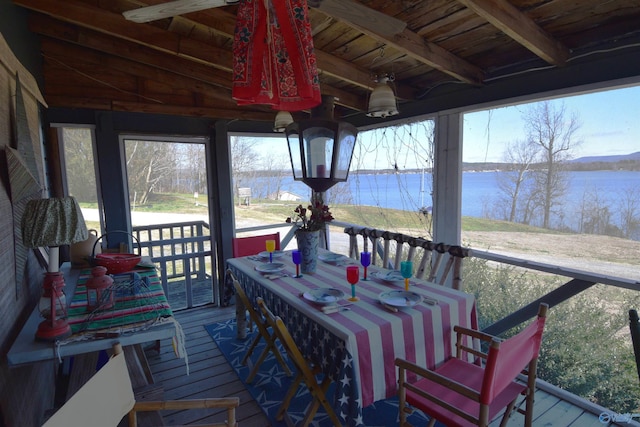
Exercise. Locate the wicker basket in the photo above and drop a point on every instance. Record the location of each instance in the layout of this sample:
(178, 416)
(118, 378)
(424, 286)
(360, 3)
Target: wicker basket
(116, 263)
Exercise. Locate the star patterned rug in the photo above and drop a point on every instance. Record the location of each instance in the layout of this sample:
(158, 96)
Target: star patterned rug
(271, 384)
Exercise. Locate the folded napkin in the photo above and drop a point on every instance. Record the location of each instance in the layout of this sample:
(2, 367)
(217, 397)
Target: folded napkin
(334, 308)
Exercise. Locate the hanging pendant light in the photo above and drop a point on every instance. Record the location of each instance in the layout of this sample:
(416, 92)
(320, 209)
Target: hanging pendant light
(382, 102)
(321, 148)
(283, 119)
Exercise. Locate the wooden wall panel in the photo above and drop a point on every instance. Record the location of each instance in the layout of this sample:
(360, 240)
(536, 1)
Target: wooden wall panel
(25, 392)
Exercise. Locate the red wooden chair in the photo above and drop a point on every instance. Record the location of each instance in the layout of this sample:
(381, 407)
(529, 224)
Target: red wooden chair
(252, 245)
(462, 393)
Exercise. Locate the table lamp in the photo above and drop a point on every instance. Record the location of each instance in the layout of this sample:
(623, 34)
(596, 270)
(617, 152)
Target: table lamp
(53, 222)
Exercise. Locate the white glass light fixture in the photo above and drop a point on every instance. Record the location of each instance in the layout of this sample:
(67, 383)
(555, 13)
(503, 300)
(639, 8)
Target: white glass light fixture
(382, 102)
(283, 119)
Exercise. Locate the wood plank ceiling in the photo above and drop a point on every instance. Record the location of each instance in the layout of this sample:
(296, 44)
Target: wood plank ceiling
(94, 58)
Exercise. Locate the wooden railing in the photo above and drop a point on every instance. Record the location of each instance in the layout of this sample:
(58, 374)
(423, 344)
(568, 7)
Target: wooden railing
(393, 248)
(580, 281)
(182, 249)
(405, 247)
(183, 254)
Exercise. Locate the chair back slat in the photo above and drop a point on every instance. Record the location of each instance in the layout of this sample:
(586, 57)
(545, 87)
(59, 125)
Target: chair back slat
(446, 270)
(245, 304)
(385, 253)
(306, 372)
(422, 267)
(353, 246)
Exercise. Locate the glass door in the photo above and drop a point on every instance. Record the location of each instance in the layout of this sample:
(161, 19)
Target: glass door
(168, 199)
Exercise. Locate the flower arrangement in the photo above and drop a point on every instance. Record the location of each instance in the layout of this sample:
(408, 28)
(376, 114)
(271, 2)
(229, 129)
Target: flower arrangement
(318, 216)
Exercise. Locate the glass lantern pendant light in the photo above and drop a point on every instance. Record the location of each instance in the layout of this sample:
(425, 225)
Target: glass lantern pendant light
(321, 148)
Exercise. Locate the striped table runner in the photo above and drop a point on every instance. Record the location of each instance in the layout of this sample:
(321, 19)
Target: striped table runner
(139, 303)
(357, 347)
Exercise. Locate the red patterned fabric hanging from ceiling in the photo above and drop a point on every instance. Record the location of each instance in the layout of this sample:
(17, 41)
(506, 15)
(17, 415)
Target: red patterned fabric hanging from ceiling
(273, 59)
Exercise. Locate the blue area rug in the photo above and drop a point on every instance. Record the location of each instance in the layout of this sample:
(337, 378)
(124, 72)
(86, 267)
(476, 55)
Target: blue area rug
(271, 384)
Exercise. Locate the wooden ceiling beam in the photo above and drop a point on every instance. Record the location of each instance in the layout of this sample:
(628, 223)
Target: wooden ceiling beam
(415, 46)
(345, 70)
(100, 42)
(75, 57)
(214, 113)
(153, 38)
(511, 21)
(224, 24)
(116, 25)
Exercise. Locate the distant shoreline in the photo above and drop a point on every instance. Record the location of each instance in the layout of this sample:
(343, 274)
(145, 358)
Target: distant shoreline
(570, 166)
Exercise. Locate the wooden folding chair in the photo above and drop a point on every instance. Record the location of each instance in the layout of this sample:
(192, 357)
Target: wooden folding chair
(252, 245)
(306, 373)
(461, 393)
(108, 396)
(263, 332)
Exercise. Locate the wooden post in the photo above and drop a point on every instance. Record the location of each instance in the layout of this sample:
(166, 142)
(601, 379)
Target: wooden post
(634, 326)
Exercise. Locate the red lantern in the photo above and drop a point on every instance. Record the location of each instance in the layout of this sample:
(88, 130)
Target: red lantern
(100, 293)
(53, 307)
(53, 222)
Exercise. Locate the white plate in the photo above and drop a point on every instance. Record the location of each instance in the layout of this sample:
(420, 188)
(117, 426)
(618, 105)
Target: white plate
(276, 254)
(388, 276)
(270, 267)
(330, 257)
(324, 296)
(400, 298)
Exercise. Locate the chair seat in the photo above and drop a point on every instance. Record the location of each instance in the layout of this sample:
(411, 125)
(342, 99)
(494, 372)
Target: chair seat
(469, 375)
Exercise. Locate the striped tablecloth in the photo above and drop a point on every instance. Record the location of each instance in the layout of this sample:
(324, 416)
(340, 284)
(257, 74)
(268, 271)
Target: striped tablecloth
(357, 347)
(140, 302)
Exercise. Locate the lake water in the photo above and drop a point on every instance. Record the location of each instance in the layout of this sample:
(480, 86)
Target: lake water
(481, 194)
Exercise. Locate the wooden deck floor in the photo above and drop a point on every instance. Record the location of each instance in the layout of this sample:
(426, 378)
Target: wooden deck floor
(211, 376)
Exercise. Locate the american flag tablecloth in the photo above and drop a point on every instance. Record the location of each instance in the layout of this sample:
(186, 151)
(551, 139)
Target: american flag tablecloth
(357, 347)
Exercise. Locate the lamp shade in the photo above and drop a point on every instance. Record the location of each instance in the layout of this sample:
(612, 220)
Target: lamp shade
(382, 102)
(53, 222)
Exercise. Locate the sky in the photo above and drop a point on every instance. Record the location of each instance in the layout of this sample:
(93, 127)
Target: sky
(609, 125)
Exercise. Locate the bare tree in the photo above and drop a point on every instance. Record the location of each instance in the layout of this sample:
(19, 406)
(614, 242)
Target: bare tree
(596, 213)
(553, 130)
(148, 163)
(629, 208)
(272, 169)
(195, 161)
(81, 177)
(244, 159)
(339, 194)
(520, 155)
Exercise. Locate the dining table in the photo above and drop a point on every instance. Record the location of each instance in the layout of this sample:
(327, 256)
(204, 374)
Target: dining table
(356, 342)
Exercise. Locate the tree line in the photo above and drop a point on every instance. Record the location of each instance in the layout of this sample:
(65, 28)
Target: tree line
(535, 182)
